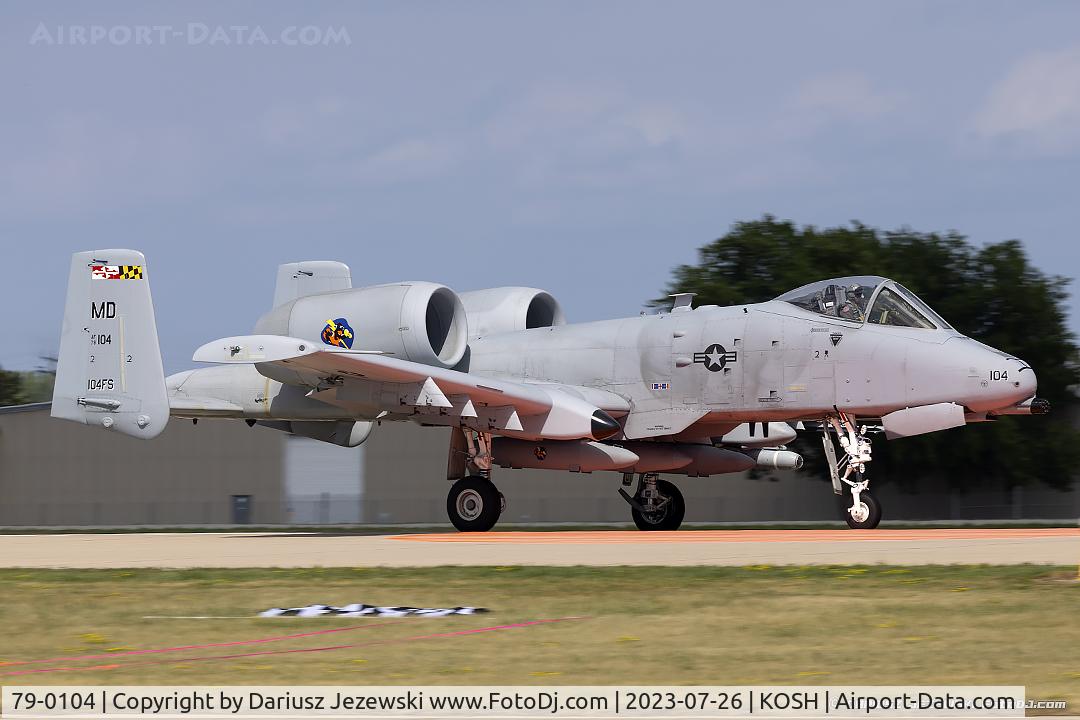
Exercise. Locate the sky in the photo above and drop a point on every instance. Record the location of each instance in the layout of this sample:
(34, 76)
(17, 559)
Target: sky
(586, 148)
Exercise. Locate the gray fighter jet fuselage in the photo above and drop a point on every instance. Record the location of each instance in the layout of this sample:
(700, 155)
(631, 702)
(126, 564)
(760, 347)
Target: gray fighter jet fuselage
(700, 391)
(764, 361)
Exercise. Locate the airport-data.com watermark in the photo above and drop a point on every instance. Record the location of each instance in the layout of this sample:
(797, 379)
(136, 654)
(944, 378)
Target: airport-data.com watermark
(192, 33)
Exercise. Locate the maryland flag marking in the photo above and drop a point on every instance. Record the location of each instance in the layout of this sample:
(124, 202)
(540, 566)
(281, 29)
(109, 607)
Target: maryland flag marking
(116, 272)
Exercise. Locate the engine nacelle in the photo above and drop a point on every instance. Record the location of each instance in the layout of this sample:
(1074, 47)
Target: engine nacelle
(418, 321)
(507, 309)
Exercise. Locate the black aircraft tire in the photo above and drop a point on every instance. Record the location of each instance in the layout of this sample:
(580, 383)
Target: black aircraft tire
(670, 518)
(474, 504)
(872, 519)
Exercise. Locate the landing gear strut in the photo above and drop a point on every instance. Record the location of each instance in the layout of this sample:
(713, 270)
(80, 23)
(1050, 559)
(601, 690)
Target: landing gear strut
(473, 504)
(864, 513)
(656, 504)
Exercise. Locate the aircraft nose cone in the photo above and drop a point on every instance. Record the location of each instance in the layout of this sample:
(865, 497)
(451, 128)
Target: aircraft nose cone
(603, 425)
(1012, 381)
(1026, 382)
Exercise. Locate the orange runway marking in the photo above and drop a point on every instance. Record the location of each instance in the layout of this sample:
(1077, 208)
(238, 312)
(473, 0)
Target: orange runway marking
(616, 537)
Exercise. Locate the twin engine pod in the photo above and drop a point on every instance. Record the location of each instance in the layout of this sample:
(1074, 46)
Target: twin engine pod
(423, 322)
(418, 321)
(636, 457)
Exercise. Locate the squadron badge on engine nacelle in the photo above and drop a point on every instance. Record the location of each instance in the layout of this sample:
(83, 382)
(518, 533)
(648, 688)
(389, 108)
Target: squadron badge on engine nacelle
(338, 333)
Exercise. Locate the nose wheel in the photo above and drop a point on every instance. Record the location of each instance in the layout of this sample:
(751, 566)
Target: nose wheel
(864, 512)
(474, 504)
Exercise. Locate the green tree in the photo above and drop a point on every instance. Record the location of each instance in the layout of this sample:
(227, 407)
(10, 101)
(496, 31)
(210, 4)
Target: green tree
(10, 388)
(991, 293)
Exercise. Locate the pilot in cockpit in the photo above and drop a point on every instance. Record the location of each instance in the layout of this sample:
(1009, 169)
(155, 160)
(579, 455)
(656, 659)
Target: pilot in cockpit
(853, 306)
(849, 298)
(845, 302)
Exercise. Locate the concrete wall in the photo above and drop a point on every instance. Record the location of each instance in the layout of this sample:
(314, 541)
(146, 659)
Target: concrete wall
(59, 473)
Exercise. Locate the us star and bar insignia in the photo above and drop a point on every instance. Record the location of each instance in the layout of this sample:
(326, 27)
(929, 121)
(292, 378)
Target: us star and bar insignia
(715, 358)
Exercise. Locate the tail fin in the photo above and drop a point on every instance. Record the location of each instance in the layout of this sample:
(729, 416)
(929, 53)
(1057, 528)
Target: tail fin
(109, 371)
(310, 278)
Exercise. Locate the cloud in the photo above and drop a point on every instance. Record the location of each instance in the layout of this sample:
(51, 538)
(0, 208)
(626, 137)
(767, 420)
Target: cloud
(297, 125)
(408, 160)
(840, 97)
(550, 111)
(588, 135)
(82, 162)
(1037, 104)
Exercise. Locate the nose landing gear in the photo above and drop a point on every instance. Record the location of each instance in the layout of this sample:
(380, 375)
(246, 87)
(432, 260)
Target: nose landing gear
(864, 513)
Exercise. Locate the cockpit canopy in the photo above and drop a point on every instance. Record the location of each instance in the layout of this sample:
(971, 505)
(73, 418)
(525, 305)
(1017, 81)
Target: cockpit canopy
(866, 298)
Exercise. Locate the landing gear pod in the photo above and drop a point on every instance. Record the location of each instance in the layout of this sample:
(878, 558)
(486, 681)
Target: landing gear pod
(572, 455)
(346, 433)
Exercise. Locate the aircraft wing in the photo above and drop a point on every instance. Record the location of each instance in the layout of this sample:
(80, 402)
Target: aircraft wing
(435, 395)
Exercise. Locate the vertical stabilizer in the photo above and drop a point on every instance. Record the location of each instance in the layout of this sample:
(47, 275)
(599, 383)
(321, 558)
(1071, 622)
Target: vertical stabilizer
(311, 277)
(109, 372)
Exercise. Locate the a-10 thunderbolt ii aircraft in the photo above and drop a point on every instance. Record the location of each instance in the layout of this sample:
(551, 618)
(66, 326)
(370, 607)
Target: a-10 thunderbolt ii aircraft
(694, 391)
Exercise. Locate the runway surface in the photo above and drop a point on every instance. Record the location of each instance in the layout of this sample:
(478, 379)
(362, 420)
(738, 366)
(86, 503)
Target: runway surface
(1057, 546)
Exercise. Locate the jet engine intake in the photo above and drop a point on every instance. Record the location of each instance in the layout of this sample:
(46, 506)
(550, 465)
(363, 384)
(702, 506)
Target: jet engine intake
(508, 309)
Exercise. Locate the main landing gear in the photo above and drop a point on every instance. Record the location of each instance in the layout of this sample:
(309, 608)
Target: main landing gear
(864, 513)
(474, 504)
(656, 504)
